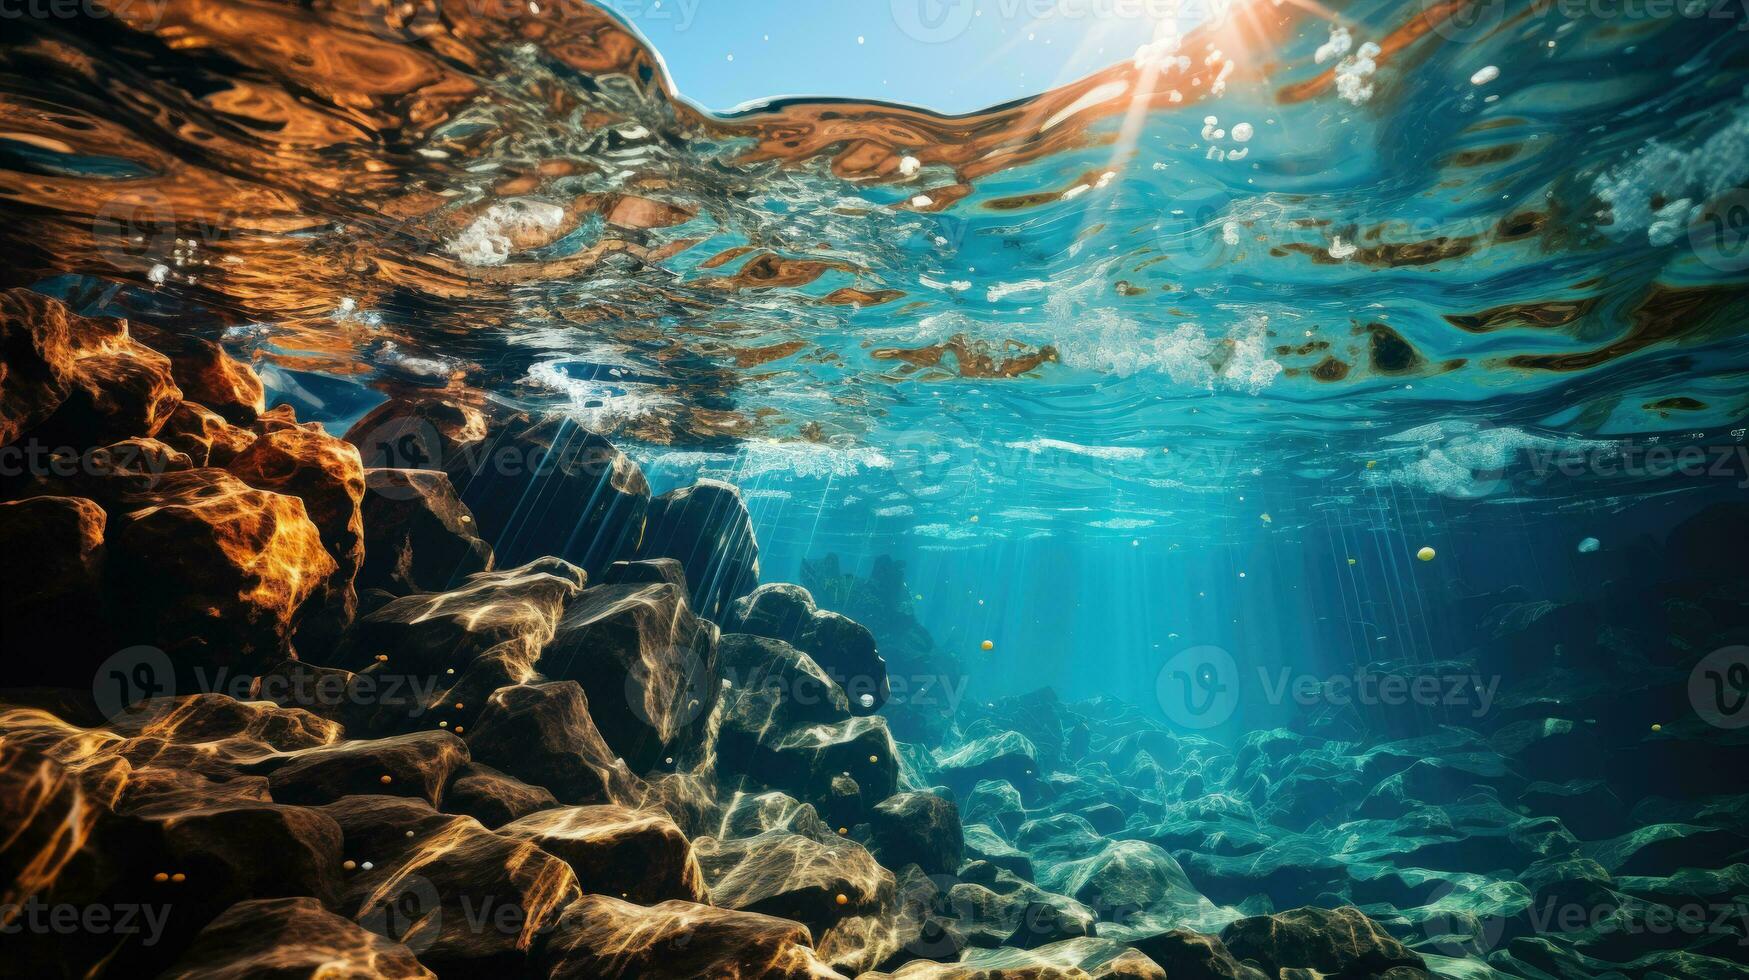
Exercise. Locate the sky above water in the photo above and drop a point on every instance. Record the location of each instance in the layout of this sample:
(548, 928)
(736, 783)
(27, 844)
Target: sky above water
(949, 55)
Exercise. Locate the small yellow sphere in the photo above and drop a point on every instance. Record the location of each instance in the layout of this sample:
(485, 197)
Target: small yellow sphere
(874, 758)
(1657, 728)
(842, 899)
(385, 779)
(1425, 554)
(974, 518)
(844, 830)
(161, 877)
(178, 877)
(988, 645)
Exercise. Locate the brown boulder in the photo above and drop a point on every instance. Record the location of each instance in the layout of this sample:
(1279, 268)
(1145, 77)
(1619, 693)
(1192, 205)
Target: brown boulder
(36, 360)
(494, 798)
(1341, 942)
(292, 937)
(419, 764)
(464, 899)
(542, 734)
(647, 663)
(545, 486)
(116, 387)
(795, 877)
(325, 473)
(58, 585)
(421, 434)
(603, 938)
(204, 435)
(417, 535)
(638, 855)
(208, 375)
(213, 571)
(706, 528)
(512, 610)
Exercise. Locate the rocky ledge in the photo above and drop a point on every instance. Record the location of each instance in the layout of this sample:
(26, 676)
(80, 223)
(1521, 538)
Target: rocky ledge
(455, 694)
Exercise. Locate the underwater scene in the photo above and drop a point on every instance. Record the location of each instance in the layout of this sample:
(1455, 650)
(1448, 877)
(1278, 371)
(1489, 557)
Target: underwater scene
(930, 489)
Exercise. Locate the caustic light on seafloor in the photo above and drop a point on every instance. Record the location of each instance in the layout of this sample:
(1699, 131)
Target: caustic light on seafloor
(988, 645)
(1425, 554)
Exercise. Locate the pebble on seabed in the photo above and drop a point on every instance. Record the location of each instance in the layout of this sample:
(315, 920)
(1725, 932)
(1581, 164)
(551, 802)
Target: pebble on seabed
(385, 779)
(988, 645)
(1425, 554)
(842, 899)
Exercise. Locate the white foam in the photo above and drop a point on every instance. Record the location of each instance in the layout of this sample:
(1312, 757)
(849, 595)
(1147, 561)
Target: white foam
(1354, 74)
(1338, 45)
(490, 239)
(1037, 446)
(1681, 178)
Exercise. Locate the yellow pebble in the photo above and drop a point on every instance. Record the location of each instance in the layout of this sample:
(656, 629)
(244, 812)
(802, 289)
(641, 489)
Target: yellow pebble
(458, 729)
(974, 518)
(843, 830)
(385, 779)
(988, 645)
(1351, 561)
(179, 877)
(1425, 554)
(443, 724)
(1371, 463)
(874, 758)
(382, 658)
(160, 877)
(842, 899)
(1657, 728)
(458, 706)
(349, 865)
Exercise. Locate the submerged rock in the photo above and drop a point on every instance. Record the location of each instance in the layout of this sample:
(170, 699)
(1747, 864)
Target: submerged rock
(706, 528)
(542, 734)
(648, 665)
(292, 936)
(917, 828)
(1339, 942)
(418, 536)
(640, 856)
(602, 938)
(844, 648)
(62, 584)
(544, 486)
(795, 877)
(1073, 959)
(215, 572)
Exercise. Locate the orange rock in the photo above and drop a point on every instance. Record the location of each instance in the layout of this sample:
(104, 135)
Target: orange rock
(204, 435)
(325, 473)
(423, 434)
(214, 571)
(36, 360)
(58, 585)
(208, 375)
(81, 381)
